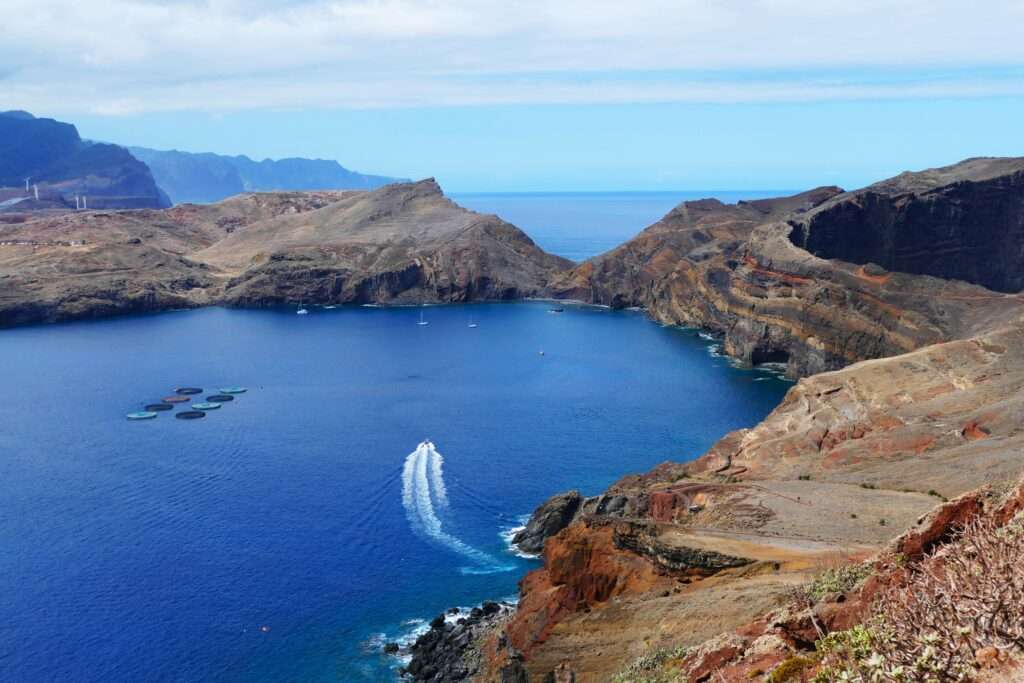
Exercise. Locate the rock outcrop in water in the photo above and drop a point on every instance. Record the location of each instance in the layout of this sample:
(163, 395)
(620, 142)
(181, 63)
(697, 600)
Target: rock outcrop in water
(402, 243)
(552, 516)
(911, 395)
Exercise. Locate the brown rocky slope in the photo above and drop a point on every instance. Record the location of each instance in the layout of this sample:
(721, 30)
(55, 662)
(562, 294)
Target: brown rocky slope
(911, 394)
(401, 243)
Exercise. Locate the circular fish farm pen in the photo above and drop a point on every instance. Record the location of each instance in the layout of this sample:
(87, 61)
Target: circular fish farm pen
(232, 390)
(220, 398)
(190, 415)
(159, 407)
(142, 415)
(175, 399)
(205, 406)
(188, 391)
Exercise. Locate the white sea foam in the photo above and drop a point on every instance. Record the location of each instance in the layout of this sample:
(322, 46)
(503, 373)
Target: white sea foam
(422, 484)
(437, 480)
(508, 533)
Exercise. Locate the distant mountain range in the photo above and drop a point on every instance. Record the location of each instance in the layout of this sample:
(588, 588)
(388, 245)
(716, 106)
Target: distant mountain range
(206, 177)
(53, 156)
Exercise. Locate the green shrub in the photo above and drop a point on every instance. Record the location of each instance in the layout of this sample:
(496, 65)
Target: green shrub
(789, 669)
(649, 668)
(838, 580)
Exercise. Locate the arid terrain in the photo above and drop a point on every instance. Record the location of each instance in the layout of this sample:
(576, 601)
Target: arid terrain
(910, 395)
(897, 307)
(403, 243)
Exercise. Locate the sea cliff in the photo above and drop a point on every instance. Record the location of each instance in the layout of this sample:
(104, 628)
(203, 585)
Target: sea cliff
(909, 352)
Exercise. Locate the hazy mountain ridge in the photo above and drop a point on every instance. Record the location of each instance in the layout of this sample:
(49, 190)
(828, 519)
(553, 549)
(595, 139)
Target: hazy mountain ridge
(206, 177)
(52, 155)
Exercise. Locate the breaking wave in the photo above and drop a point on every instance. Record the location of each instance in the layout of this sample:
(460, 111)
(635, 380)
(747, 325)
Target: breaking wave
(423, 492)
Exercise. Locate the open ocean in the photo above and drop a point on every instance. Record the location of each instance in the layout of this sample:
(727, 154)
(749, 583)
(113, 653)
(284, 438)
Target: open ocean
(580, 225)
(289, 534)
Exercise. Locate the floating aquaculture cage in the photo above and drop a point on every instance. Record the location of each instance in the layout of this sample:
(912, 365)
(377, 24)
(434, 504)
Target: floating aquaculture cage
(142, 415)
(190, 415)
(220, 398)
(159, 407)
(205, 406)
(175, 399)
(232, 390)
(188, 391)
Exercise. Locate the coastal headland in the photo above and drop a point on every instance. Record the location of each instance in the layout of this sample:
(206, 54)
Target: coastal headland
(896, 306)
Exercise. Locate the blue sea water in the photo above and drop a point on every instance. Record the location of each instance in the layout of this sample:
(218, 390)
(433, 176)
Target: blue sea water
(579, 225)
(271, 541)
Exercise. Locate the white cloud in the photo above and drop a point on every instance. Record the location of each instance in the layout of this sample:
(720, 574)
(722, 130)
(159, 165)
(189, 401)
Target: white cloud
(126, 56)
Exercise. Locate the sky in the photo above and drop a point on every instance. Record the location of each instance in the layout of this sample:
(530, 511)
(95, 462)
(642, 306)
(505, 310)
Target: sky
(531, 95)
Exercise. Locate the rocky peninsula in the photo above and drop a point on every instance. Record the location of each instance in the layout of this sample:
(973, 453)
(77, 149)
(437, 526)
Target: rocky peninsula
(403, 243)
(898, 306)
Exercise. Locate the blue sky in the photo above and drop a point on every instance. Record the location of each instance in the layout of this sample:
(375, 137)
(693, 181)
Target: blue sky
(667, 146)
(574, 95)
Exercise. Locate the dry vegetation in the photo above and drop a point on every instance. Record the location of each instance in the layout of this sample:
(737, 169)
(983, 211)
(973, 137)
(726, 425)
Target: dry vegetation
(961, 609)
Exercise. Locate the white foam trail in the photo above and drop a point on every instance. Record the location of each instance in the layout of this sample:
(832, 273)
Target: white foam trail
(437, 478)
(422, 467)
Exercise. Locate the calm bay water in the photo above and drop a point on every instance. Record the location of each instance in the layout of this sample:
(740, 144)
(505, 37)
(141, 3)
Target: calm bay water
(579, 225)
(286, 536)
(159, 551)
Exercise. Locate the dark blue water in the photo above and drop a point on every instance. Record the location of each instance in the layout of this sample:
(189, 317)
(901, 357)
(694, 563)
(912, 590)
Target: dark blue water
(579, 225)
(158, 551)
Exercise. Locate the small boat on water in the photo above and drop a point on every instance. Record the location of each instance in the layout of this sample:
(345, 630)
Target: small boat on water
(556, 310)
(422, 321)
(302, 310)
(472, 324)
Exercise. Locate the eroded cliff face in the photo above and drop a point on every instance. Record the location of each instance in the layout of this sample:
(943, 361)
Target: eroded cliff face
(911, 394)
(735, 270)
(964, 222)
(403, 243)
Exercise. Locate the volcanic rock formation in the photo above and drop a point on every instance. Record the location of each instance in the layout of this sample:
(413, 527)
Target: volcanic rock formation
(912, 394)
(402, 243)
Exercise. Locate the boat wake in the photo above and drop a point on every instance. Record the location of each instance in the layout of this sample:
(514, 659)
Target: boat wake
(423, 494)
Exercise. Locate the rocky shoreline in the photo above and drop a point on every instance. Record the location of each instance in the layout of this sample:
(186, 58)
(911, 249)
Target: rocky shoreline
(451, 650)
(908, 392)
(402, 244)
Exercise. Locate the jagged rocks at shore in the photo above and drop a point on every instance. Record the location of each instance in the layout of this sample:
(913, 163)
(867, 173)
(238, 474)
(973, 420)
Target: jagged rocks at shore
(548, 519)
(404, 243)
(449, 651)
(910, 395)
